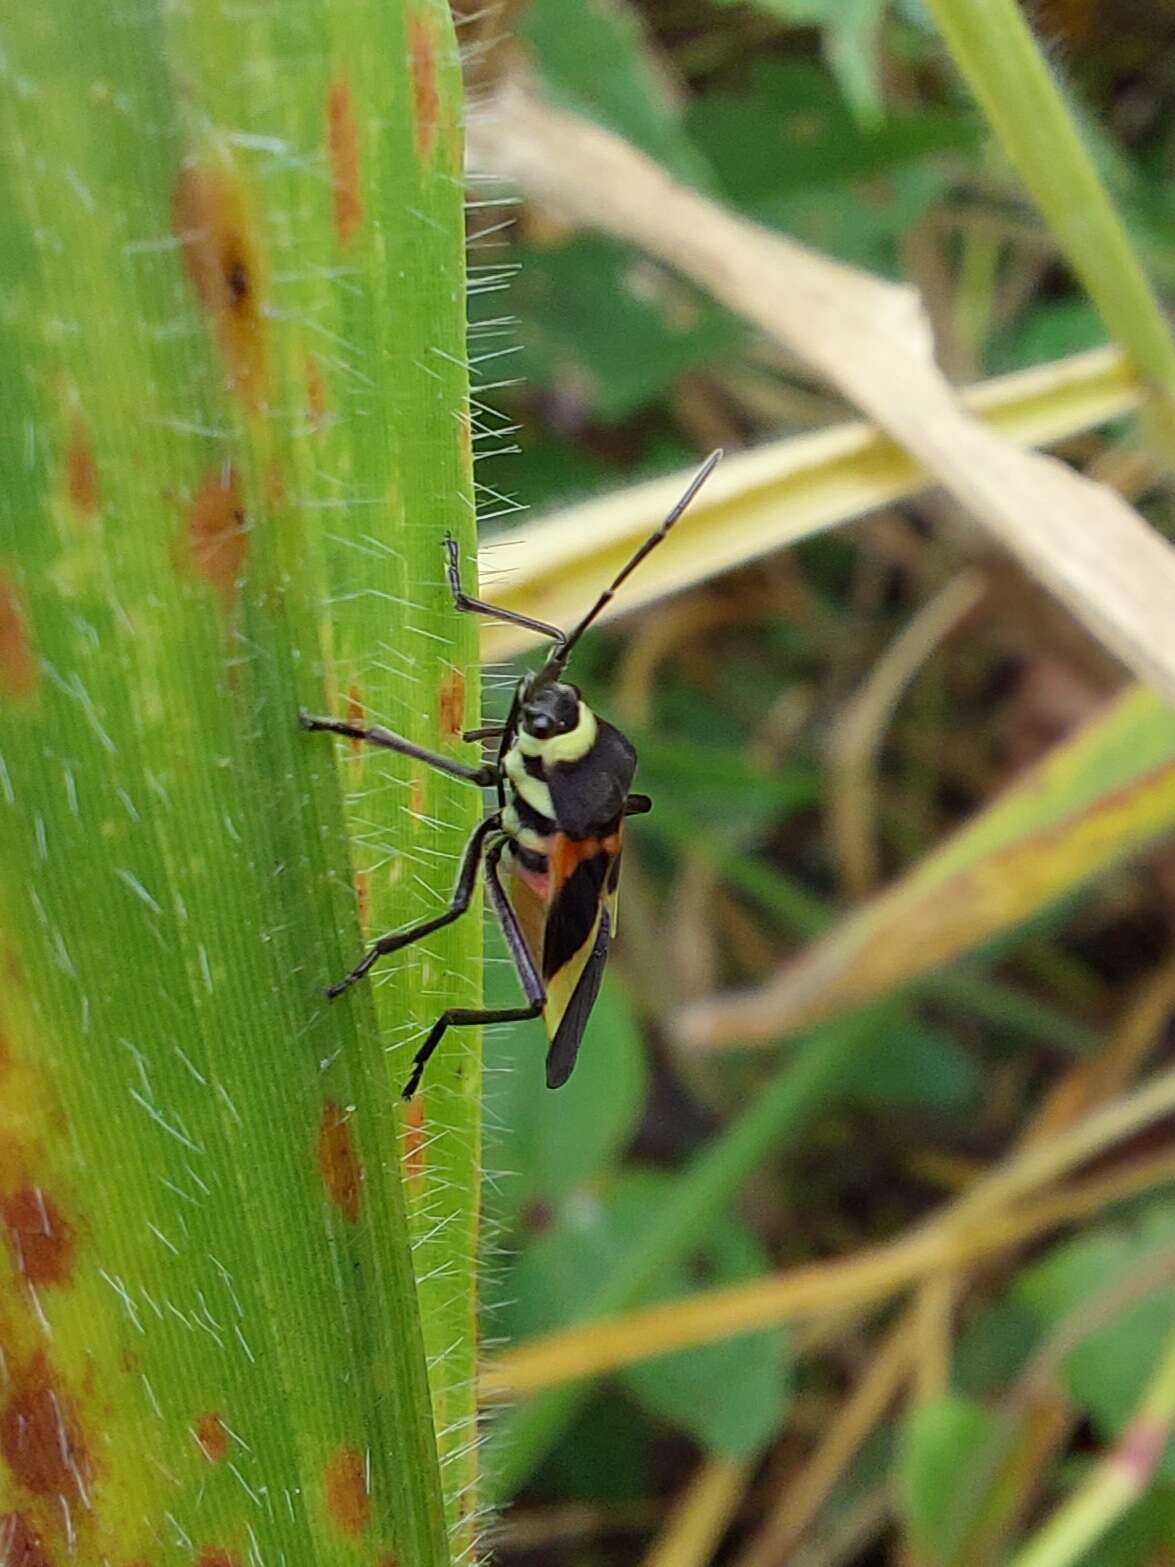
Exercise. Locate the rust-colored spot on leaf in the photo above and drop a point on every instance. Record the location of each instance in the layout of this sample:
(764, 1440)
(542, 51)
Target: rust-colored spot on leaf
(451, 704)
(338, 1162)
(212, 220)
(20, 1544)
(417, 798)
(214, 1556)
(41, 1438)
(389, 1560)
(41, 1240)
(413, 1149)
(315, 394)
(425, 99)
(216, 531)
(343, 146)
(18, 667)
(81, 471)
(211, 1435)
(363, 896)
(346, 1491)
(355, 715)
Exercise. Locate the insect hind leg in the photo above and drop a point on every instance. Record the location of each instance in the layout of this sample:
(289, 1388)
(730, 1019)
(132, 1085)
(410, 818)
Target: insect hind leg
(462, 1017)
(524, 965)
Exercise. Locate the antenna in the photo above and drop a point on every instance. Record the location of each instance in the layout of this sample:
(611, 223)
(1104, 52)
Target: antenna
(557, 660)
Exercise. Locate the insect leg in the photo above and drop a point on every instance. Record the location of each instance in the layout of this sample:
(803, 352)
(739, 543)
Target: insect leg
(484, 776)
(486, 732)
(637, 805)
(528, 975)
(462, 894)
(463, 601)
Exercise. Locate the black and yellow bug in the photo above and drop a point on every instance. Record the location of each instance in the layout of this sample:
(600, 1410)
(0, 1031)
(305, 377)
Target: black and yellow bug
(562, 778)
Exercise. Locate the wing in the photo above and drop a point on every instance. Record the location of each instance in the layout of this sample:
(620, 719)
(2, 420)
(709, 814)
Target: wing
(578, 934)
(565, 1044)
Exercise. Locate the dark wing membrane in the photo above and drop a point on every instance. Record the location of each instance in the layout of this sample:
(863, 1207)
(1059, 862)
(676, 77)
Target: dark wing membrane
(573, 914)
(589, 795)
(565, 1045)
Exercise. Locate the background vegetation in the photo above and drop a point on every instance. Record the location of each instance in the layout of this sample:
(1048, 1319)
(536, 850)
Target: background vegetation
(937, 1161)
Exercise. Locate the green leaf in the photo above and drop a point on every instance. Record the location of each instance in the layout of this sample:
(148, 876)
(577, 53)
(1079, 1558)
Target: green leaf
(940, 1442)
(730, 1395)
(919, 1065)
(593, 55)
(787, 133)
(548, 1144)
(1108, 1369)
(609, 330)
(233, 338)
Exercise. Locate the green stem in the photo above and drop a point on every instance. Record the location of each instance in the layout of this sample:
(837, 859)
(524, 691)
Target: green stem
(993, 47)
(1115, 1484)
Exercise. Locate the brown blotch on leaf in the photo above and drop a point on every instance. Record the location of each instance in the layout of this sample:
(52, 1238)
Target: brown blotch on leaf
(81, 471)
(338, 1163)
(19, 675)
(451, 704)
(417, 798)
(40, 1238)
(347, 1500)
(211, 1435)
(425, 100)
(363, 896)
(342, 140)
(214, 1556)
(20, 1544)
(390, 1560)
(41, 1437)
(315, 394)
(217, 533)
(413, 1148)
(212, 220)
(355, 715)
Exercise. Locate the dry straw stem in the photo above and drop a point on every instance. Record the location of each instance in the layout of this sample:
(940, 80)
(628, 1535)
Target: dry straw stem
(799, 1501)
(702, 1515)
(761, 501)
(1093, 800)
(872, 342)
(984, 1220)
(860, 730)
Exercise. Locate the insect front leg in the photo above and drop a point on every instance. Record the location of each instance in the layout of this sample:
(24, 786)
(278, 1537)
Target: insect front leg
(462, 896)
(524, 965)
(485, 777)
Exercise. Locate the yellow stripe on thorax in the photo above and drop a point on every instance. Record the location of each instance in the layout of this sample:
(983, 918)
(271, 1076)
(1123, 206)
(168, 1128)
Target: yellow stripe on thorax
(570, 747)
(533, 790)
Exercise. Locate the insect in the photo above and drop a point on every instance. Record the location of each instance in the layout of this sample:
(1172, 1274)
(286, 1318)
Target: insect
(551, 846)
